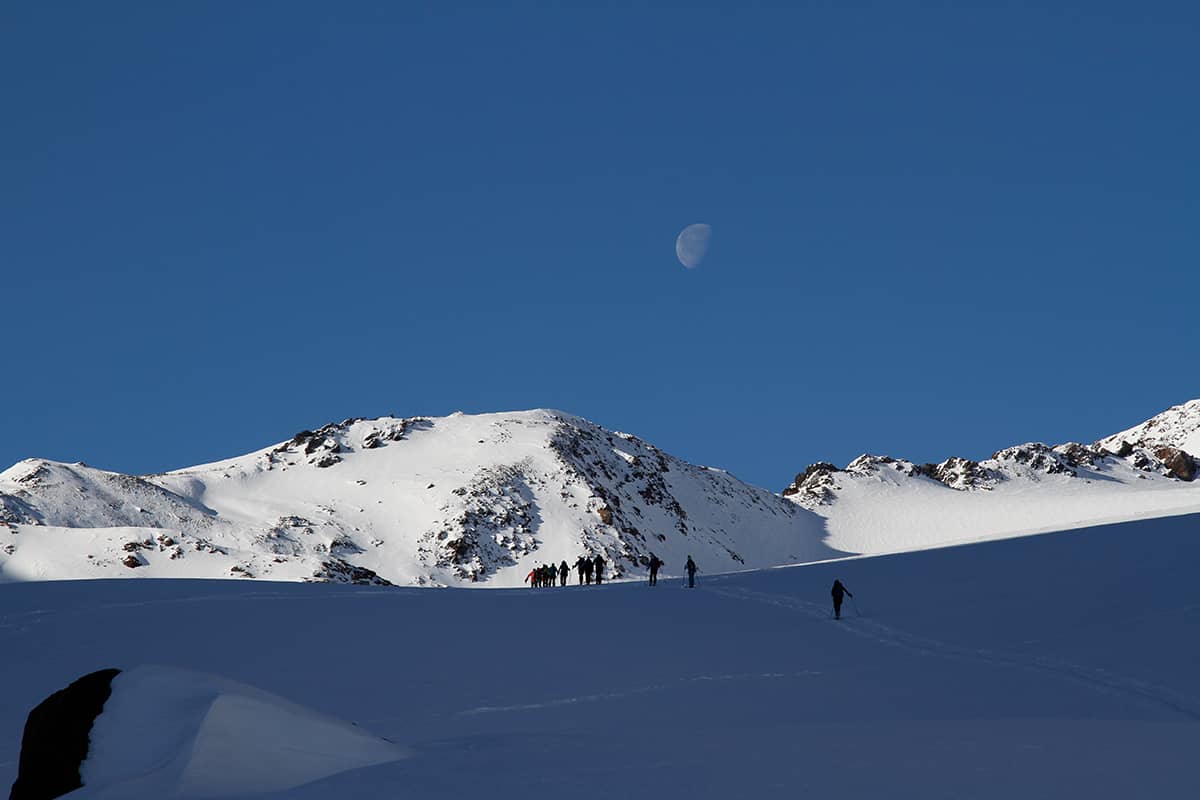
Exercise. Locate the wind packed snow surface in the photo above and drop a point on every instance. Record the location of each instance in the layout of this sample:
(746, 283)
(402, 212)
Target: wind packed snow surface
(168, 732)
(1057, 666)
(458, 500)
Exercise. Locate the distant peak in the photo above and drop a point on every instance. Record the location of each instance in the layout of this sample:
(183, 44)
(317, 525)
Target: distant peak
(1178, 427)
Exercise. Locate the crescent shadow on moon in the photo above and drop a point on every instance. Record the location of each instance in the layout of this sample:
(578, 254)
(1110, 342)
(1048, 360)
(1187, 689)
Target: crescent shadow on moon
(692, 244)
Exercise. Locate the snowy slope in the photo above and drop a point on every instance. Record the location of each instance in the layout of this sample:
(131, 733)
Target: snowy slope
(418, 501)
(1178, 426)
(879, 504)
(1040, 667)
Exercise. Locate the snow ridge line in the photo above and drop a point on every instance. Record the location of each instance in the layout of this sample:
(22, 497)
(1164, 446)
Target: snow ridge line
(1097, 679)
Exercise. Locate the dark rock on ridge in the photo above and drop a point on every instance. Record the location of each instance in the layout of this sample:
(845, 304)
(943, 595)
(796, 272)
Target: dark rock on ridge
(1178, 463)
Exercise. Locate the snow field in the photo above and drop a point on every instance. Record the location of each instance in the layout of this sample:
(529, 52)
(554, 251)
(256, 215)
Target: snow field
(1044, 667)
(888, 513)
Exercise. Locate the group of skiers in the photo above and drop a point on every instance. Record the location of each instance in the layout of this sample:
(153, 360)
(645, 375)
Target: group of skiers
(592, 567)
(588, 566)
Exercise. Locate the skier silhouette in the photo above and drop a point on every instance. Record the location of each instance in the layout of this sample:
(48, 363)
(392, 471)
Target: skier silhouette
(655, 563)
(691, 572)
(579, 565)
(837, 592)
(563, 572)
(599, 562)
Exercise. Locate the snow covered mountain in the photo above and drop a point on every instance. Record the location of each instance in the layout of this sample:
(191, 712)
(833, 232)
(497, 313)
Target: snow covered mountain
(1176, 428)
(480, 500)
(879, 504)
(425, 501)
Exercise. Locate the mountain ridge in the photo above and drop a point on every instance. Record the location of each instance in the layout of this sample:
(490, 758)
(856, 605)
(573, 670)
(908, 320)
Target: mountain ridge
(480, 499)
(879, 504)
(420, 500)
(1159, 445)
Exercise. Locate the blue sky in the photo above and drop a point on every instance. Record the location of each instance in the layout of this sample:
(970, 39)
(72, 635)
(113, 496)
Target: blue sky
(938, 228)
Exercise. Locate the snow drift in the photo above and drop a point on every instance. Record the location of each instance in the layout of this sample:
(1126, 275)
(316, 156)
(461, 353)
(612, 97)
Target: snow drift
(170, 733)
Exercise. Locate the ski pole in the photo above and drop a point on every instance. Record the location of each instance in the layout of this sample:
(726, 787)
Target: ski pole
(857, 613)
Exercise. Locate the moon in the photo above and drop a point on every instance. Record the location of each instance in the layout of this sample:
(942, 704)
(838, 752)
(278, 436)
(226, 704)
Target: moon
(692, 244)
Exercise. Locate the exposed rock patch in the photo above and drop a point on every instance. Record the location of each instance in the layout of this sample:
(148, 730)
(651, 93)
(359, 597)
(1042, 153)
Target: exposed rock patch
(338, 571)
(1178, 463)
(55, 742)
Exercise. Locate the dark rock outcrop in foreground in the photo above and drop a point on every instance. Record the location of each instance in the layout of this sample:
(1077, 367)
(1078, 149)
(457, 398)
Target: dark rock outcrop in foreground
(55, 742)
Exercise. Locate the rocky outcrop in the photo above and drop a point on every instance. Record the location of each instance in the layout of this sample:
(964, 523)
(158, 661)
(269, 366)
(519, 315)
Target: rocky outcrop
(959, 473)
(336, 570)
(55, 742)
(631, 492)
(1178, 463)
(324, 447)
(1119, 448)
(14, 510)
(817, 484)
(495, 528)
(1037, 458)
(1177, 427)
(1081, 455)
(814, 486)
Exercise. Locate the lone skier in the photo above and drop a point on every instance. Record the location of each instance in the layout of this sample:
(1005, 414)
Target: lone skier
(837, 592)
(691, 572)
(655, 563)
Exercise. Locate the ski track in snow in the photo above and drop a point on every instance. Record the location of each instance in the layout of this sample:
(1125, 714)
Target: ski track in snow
(1100, 680)
(595, 698)
(22, 620)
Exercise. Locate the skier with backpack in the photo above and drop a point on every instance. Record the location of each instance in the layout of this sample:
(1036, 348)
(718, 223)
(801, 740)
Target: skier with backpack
(563, 572)
(581, 564)
(691, 572)
(837, 592)
(655, 563)
(598, 563)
